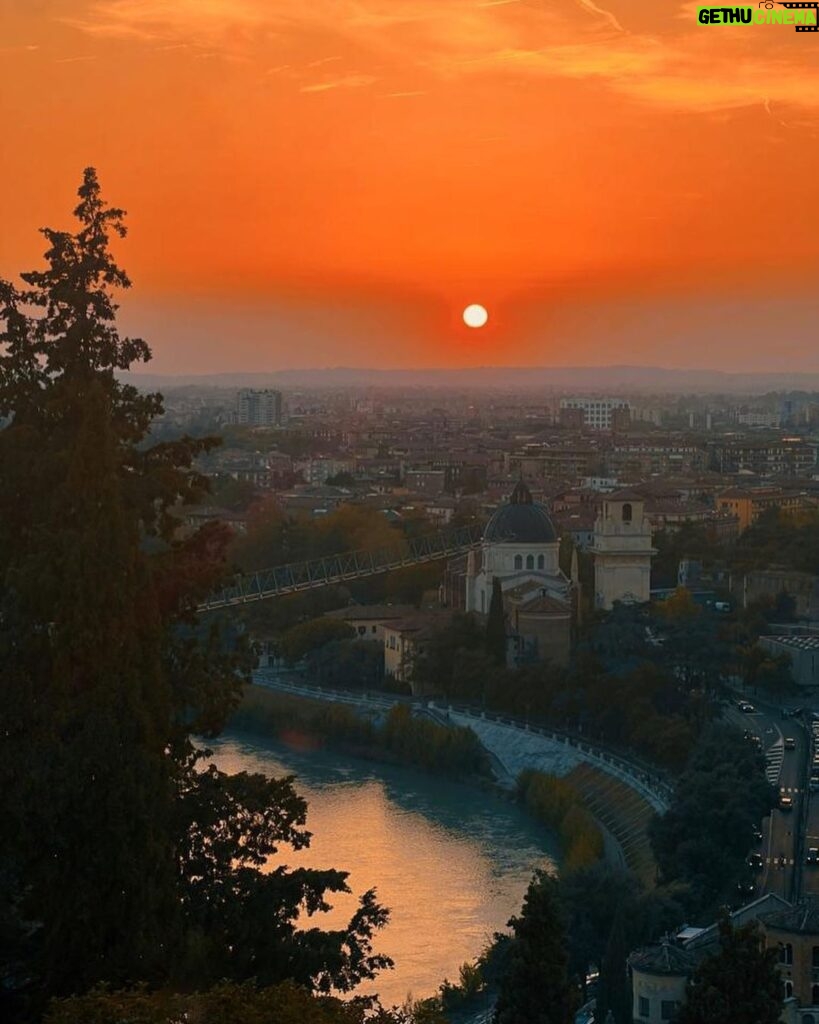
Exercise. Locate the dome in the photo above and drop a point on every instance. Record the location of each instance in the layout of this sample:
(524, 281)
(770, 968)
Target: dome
(521, 521)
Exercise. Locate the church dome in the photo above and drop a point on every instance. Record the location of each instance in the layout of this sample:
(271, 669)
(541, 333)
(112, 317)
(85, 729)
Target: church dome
(521, 521)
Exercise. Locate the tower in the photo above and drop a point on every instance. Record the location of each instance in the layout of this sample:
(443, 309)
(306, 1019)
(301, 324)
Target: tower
(622, 551)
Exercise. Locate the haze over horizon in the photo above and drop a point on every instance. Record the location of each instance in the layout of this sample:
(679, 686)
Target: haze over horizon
(331, 184)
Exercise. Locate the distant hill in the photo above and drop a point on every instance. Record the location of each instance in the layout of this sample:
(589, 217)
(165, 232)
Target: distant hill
(516, 378)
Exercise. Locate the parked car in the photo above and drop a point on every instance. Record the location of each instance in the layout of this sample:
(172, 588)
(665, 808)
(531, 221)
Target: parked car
(757, 833)
(813, 855)
(785, 802)
(790, 743)
(755, 861)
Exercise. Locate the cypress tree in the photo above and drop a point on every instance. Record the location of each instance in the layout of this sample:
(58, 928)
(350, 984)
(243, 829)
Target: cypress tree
(535, 988)
(496, 626)
(613, 997)
(121, 859)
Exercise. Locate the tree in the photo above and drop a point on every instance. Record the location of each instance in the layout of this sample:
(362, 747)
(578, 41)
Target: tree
(496, 625)
(703, 838)
(535, 987)
(118, 844)
(309, 636)
(238, 1004)
(740, 984)
(613, 994)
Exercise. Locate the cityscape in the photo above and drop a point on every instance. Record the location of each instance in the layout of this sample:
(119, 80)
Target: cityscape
(409, 513)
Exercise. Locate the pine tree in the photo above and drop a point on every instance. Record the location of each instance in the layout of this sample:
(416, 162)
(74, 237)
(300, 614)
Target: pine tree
(496, 626)
(535, 988)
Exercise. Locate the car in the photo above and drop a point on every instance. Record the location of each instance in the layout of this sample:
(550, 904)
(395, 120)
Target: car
(746, 887)
(790, 743)
(755, 861)
(785, 802)
(757, 833)
(813, 855)
(747, 708)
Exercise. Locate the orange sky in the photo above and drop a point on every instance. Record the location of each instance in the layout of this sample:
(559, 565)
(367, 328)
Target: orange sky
(328, 182)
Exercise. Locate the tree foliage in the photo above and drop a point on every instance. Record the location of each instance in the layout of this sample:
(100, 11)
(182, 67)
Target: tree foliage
(740, 983)
(704, 837)
(535, 988)
(123, 857)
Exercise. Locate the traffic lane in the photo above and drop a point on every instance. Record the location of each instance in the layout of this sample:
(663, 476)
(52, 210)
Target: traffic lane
(810, 872)
(780, 845)
(785, 824)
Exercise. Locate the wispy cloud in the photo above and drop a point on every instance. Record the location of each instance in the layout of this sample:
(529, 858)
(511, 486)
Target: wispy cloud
(684, 69)
(346, 82)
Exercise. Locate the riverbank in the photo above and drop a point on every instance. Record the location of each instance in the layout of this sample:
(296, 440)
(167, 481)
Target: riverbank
(451, 861)
(394, 737)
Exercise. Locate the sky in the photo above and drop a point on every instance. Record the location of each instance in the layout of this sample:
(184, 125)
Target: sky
(319, 183)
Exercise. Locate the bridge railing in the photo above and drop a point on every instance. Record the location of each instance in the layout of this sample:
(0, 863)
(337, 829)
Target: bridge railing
(646, 774)
(340, 568)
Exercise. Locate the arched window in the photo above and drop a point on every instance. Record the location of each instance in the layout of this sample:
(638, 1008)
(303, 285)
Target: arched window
(814, 995)
(518, 561)
(788, 989)
(530, 561)
(541, 562)
(815, 958)
(627, 512)
(785, 953)
(808, 1018)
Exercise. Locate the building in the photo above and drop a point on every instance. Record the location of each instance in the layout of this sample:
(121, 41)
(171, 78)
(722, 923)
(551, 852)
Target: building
(598, 413)
(259, 408)
(803, 652)
(748, 505)
(520, 548)
(794, 931)
(770, 584)
(405, 640)
(659, 975)
(622, 551)
(369, 620)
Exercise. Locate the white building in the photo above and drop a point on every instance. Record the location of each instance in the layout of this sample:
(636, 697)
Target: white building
(622, 551)
(598, 413)
(520, 549)
(259, 408)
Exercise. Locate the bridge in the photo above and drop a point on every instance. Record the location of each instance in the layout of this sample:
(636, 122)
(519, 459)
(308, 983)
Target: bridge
(351, 565)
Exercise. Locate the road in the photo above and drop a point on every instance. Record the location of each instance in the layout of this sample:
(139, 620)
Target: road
(787, 772)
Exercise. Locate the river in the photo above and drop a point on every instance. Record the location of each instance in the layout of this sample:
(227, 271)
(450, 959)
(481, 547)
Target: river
(450, 861)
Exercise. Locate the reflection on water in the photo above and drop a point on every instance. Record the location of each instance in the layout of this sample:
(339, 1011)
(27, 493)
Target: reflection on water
(451, 862)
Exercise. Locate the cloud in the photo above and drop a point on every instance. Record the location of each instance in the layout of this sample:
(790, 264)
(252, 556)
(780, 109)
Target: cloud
(683, 69)
(347, 82)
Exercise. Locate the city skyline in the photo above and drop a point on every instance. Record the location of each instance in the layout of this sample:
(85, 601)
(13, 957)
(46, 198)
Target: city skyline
(332, 185)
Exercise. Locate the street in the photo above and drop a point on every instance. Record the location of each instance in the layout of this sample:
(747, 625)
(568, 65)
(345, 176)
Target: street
(782, 849)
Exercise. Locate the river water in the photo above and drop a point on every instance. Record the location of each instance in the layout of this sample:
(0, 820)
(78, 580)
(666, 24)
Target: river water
(450, 861)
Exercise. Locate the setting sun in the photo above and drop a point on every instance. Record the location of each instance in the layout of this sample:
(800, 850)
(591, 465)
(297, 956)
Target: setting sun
(475, 315)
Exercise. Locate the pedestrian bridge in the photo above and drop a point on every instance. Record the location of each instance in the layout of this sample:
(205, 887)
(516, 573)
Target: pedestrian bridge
(352, 565)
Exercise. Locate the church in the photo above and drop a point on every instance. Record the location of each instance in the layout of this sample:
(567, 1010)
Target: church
(520, 548)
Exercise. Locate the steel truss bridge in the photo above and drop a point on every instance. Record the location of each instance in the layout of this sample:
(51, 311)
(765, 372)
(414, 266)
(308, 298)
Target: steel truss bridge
(352, 565)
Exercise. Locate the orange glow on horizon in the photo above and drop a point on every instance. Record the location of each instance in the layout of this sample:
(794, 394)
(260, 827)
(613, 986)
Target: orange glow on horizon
(315, 180)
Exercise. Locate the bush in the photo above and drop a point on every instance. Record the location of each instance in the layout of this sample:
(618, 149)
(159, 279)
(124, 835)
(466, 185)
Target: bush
(556, 803)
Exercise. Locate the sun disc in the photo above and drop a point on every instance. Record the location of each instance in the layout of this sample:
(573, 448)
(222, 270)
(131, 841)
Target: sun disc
(475, 315)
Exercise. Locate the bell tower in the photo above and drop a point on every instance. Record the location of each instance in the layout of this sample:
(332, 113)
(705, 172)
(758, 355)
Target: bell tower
(622, 551)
